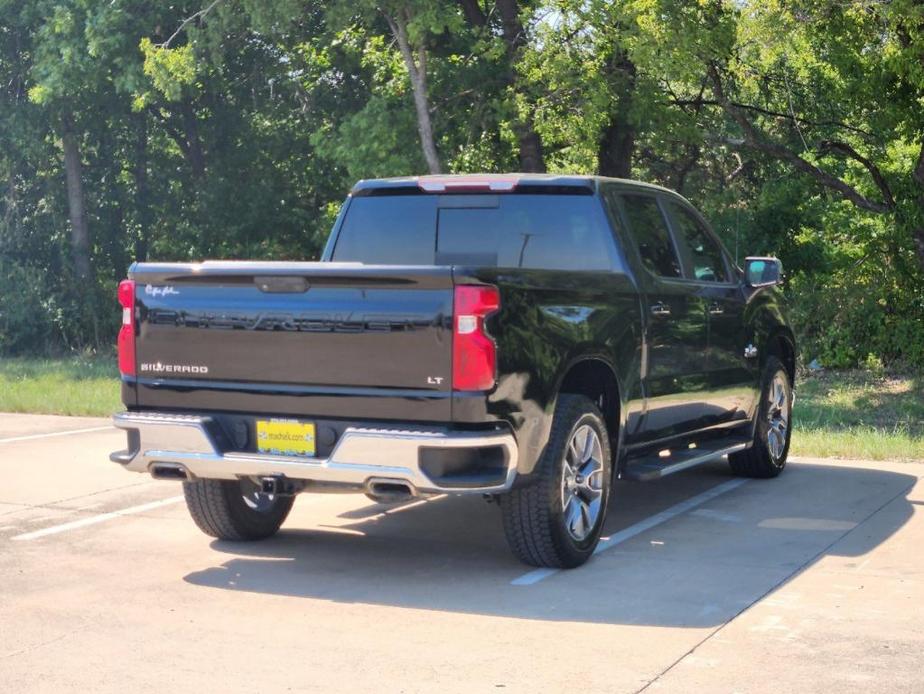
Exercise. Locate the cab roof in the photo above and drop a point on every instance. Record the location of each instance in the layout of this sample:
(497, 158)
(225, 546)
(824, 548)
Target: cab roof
(489, 183)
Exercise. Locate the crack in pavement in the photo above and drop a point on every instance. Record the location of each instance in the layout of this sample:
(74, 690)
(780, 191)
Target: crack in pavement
(51, 505)
(41, 644)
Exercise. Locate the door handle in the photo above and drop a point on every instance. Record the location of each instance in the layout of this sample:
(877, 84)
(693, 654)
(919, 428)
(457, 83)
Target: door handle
(660, 309)
(716, 309)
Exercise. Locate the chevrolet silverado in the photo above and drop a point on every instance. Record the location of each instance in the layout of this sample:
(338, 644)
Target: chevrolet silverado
(530, 338)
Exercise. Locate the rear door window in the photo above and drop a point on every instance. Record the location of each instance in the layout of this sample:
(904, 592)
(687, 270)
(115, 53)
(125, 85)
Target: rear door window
(550, 232)
(704, 258)
(649, 231)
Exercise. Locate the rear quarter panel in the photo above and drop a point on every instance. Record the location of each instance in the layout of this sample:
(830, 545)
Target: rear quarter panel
(550, 320)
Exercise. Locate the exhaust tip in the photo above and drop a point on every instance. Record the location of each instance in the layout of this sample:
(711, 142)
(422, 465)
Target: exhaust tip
(169, 471)
(386, 491)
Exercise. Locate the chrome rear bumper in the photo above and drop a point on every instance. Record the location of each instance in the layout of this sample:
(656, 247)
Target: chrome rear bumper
(361, 455)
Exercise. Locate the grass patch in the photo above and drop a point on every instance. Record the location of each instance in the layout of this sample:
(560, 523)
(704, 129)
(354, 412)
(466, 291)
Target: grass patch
(859, 414)
(838, 414)
(79, 385)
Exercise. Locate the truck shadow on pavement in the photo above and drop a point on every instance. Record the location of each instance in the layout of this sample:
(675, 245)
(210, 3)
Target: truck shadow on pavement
(699, 569)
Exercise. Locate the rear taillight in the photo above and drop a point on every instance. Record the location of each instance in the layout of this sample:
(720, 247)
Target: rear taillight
(127, 332)
(474, 354)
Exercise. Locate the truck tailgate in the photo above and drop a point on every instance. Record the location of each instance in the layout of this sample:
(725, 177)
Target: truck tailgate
(292, 328)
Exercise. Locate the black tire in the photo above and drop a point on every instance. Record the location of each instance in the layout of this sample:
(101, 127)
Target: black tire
(761, 460)
(219, 509)
(534, 515)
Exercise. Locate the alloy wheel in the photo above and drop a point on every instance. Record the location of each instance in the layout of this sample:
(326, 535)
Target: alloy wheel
(582, 483)
(777, 416)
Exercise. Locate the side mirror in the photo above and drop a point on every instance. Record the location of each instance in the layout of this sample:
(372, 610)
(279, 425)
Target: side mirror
(762, 272)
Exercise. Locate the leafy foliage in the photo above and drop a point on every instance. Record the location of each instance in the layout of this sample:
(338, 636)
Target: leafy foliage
(232, 128)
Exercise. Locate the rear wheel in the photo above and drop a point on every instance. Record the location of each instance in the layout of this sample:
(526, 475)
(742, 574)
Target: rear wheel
(235, 509)
(556, 521)
(767, 455)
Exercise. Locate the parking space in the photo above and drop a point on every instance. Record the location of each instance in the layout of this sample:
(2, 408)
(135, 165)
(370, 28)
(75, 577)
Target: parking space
(809, 582)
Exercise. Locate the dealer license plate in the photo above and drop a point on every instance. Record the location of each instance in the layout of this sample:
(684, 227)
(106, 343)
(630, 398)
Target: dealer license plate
(285, 437)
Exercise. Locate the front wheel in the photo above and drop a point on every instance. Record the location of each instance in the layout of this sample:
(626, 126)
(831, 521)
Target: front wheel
(235, 509)
(556, 521)
(772, 432)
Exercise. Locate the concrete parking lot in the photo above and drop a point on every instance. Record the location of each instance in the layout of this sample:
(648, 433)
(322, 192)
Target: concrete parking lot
(811, 582)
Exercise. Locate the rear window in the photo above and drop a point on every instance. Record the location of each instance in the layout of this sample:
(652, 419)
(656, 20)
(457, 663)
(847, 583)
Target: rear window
(388, 231)
(554, 232)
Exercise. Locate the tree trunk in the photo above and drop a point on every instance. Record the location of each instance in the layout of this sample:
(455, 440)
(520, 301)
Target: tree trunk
(532, 158)
(512, 27)
(193, 152)
(417, 72)
(76, 203)
(474, 15)
(9, 223)
(617, 145)
(617, 141)
(140, 174)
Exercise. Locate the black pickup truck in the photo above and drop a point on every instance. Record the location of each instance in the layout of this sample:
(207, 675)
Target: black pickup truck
(530, 338)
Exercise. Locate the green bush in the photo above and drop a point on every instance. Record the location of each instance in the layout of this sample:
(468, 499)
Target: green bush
(41, 316)
(849, 320)
(26, 311)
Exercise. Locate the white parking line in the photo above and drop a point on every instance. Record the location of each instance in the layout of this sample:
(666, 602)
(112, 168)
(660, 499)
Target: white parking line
(533, 577)
(32, 437)
(93, 520)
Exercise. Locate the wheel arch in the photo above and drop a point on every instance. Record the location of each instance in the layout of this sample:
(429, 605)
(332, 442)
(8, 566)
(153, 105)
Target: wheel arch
(595, 378)
(782, 344)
